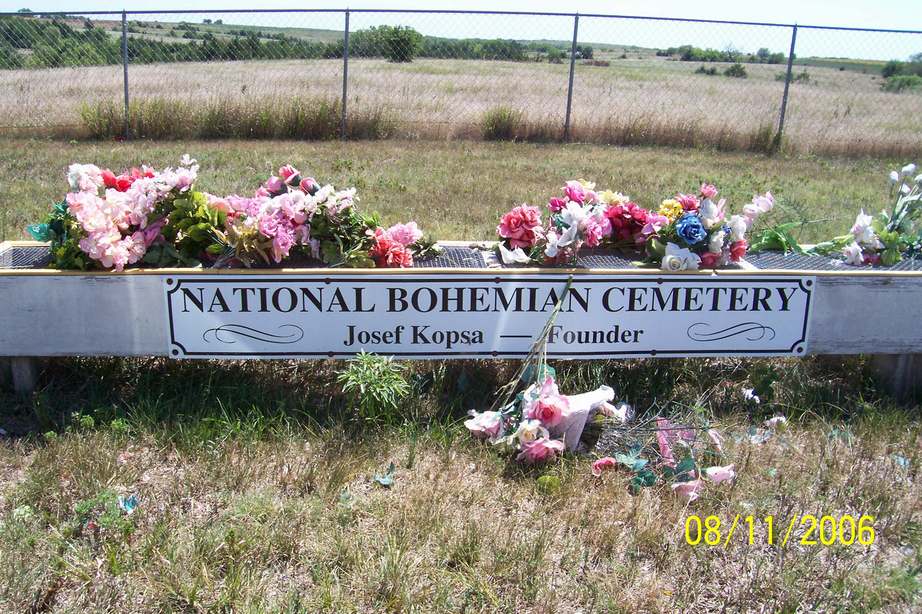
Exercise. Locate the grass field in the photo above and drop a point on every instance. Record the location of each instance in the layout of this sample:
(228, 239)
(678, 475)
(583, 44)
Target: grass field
(458, 190)
(632, 101)
(255, 481)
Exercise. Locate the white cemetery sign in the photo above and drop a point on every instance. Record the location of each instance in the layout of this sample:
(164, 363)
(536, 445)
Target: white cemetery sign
(444, 315)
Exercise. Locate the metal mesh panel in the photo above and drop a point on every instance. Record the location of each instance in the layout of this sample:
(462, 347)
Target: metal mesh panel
(677, 83)
(798, 262)
(24, 257)
(276, 73)
(840, 100)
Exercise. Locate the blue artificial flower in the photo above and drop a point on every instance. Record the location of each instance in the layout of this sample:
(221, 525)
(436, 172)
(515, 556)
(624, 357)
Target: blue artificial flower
(690, 229)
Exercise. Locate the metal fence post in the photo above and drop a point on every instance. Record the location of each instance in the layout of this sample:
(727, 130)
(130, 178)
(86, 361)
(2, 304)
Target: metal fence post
(342, 127)
(776, 142)
(127, 126)
(566, 124)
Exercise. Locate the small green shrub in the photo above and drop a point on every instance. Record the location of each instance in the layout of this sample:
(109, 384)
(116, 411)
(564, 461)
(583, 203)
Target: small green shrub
(703, 70)
(375, 385)
(737, 71)
(901, 83)
(501, 124)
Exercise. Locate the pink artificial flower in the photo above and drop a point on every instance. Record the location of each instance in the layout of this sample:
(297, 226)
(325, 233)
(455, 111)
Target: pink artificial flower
(152, 233)
(655, 222)
(217, 202)
(707, 190)
(594, 230)
(290, 175)
(540, 450)
(574, 191)
(709, 260)
(606, 462)
(309, 186)
(550, 405)
(663, 440)
(484, 425)
(688, 490)
(720, 474)
(716, 438)
(520, 226)
(667, 435)
(405, 234)
(274, 185)
(738, 250)
(688, 202)
(556, 204)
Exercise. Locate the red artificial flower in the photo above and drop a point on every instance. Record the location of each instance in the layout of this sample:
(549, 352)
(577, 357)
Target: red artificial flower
(709, 260)
(627, 221)
(738, 250)
(389, 253)
(108, 178)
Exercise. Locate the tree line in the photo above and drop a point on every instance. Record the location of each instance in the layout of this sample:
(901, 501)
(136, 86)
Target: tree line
(688, 53)
(27, 42)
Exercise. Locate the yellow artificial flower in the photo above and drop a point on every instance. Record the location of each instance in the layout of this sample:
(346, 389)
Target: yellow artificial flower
(671, 209)
(607, 197)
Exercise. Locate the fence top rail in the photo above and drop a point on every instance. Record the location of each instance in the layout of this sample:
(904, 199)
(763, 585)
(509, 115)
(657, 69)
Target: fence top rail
(462, 12)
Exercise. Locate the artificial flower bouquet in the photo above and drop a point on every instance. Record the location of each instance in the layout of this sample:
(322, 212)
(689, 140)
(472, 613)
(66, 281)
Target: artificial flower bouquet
(158, 218)
(541, 423)
(686, 232)
(884, 238)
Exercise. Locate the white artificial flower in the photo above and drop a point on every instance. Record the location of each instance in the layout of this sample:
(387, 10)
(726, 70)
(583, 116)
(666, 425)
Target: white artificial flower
(765, 202)
(84, 177)
(738, 228)
(529, 430)
(904, 189)
(679, 259)
(710, 213)
(750, 395)
(550, 250)
(187, 160)
(572, 216)
(776, 422)
(862, 229)
(908, 170)
(894, 176)
(853, 254)
(513, 256)
(716, 242)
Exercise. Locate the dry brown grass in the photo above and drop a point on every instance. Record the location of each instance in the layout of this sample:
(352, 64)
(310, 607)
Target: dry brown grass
(647, 101)
(256, 494)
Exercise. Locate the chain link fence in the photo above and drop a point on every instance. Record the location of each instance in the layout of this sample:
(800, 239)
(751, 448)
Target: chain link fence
(317, 74)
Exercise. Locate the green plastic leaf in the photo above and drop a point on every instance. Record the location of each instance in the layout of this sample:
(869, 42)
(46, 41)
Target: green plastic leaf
(39, 232)
(386, 480)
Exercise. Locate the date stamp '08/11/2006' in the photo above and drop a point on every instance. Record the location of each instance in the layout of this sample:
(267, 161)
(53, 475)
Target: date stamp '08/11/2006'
(806, 529)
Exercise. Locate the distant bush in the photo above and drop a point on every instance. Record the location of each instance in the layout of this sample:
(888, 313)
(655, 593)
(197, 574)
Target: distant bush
(703, 70)
(597, 63)
(394, 43)
(901, 83)
(501, 124)
(801, 77)
(555, 56)
(736, 70)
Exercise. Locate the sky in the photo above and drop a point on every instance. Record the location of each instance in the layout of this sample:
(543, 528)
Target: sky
(898, 14)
